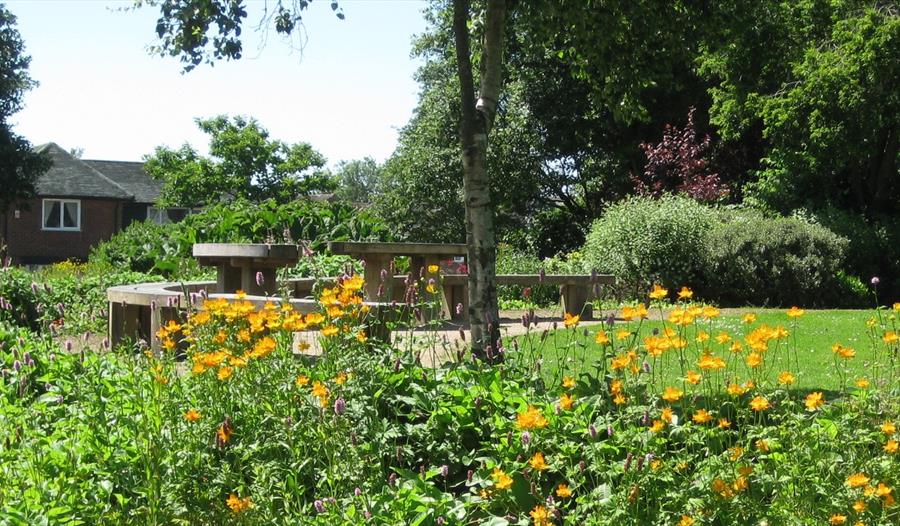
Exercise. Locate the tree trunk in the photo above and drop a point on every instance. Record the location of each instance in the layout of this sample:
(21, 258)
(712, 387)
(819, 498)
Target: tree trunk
(477, 116)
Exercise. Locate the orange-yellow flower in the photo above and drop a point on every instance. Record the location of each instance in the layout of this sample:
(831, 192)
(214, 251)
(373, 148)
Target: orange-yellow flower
(686, 520)
(749, 318)
(531, 418)
(724, 423)
(192, 415)
(891, 447)
(795, 312)
(837, 519)
(433, 269)
(786, 378)
(502, 481)
(540, 515)
(857, 480)
(563, 491)
(814, 401)
(238, 504)
(571, 320)
(301, 380)
(602, 338)
(537, 462)
(568, 382)
(225, 373)
(702, 416)
(672, 394)
(693, 377)
(888, 428)
(658, 292)
(329, 331)
(759, 403)
(862, 383)
(657, 426)
(890, 337)
(685, 293)
(566, 401)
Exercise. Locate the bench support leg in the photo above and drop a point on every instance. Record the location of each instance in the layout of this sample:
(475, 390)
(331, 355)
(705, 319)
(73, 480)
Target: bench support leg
(575, 301)
(374, 265)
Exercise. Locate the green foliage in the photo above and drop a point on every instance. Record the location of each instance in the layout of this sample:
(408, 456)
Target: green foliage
(20, 166)
(774, 261)
(820, 78)
(244, 164)
(642, 241)
(357, 180)
(364, 433)
(69, 296)
(167, 249)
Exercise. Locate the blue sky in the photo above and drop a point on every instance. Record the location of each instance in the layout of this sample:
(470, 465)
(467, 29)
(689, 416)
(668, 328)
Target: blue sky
(346, 93)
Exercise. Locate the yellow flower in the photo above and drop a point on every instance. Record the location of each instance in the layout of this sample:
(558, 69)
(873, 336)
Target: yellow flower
(724, 423)
(192, 415)
(693, 377)
(710, 361)
(571, 320)
(888, 428)
(602, 338)
(734, 453)
(890, 337)
(537, 462)
(786, 378)
(685, 293)
(891, 447)
(749, 318)
(658, 426)
(709, 312)
(301, 380)
(237, 504)
(897, 306)
(857, 480)
(341, 378)
(672, 394)
(844, 352)
(319, 390)
(568, 382)
(532, 418)
(563, 491)
(735, 389)
(566, 401)
(762, 445)
(224, 433)
(723, 337)
(361, 337)
(754, 359)
(686, 520)
(702, 336)
(702, 416)
(859, 506)
(502, 481)
(329, 331)
(837, 519)
(667, 414)
(240, 294)
(622, 334)
(795, 312)
(431, 288)
(814, 401)
(540, 516)
(759, 403)
(225, 373)
(433, 269)
(620, 399)
(658, 292)
(862, 383)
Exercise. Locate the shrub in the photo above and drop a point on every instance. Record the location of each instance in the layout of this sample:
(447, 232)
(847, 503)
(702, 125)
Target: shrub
(773, 261)
(642, 240)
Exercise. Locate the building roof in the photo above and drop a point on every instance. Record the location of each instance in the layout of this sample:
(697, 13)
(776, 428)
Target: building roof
(131, 176)
(73, 177)
(70, 177)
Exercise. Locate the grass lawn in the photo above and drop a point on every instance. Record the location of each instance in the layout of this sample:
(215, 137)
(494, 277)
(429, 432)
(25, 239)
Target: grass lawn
(572, 352)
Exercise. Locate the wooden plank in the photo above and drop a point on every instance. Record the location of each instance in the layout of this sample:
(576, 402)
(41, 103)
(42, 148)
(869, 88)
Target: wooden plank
(535, 279)
(245, 250)
(357, 248)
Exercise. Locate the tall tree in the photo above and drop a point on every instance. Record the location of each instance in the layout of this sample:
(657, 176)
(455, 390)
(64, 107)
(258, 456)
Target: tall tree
(244, 163)
(357, 180)
(207, 30)
(20, 166)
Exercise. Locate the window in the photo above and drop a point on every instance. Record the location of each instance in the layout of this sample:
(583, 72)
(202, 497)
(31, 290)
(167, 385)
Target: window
(62, 214)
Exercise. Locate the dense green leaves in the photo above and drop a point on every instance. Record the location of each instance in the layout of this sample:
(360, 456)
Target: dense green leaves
(244, 163)
(19, 165)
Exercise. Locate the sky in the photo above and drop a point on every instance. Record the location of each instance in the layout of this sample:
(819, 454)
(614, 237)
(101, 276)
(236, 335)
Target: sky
(347, 92)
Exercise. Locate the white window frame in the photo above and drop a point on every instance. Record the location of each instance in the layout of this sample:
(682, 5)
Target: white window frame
(62, 208)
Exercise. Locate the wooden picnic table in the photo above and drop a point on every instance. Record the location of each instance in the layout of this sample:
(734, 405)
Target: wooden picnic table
(238, 263)
(378, 257)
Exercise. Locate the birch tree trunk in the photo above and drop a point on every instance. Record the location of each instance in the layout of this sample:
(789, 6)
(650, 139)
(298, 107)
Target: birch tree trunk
(477, 116)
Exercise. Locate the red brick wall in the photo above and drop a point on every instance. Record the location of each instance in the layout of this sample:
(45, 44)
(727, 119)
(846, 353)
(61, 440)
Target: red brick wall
(27, 242)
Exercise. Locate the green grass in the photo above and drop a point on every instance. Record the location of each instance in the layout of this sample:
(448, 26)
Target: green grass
(572, 352)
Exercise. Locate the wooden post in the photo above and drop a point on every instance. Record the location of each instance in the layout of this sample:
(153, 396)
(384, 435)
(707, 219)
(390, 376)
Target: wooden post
(375, 263)
(228, 278)
(575, 301)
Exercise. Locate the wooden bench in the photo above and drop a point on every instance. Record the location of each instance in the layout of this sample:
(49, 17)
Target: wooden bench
(575, 290)
(238, 263)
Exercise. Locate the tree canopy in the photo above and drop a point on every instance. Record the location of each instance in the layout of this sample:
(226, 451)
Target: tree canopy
(20, 166)
(244, 163)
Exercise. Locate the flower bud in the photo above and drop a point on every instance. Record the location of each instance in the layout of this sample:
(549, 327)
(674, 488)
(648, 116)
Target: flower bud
(260, 279)
(339, 406)
(319, 505)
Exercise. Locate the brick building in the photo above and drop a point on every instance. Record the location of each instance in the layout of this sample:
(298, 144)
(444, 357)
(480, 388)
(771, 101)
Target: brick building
(79, 203)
